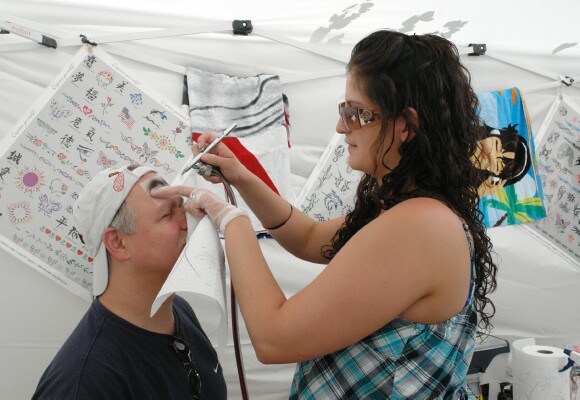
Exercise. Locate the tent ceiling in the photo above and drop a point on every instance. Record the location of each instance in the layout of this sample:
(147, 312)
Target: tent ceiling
(541, 28)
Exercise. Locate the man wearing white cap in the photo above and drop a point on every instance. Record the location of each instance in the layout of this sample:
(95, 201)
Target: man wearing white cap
(118, 351)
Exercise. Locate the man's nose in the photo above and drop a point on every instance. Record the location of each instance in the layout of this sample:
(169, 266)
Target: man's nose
(182, 219)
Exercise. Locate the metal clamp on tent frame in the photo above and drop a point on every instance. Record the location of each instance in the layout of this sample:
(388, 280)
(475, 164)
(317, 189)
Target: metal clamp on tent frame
(567, 80)
(479, 49)
(85, 40)
(242, 27)
(27, 33)
(48, 42)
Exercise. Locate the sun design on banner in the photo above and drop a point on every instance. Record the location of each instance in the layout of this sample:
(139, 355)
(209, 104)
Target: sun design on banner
(104, 78)
(19, 213)
(30, 180)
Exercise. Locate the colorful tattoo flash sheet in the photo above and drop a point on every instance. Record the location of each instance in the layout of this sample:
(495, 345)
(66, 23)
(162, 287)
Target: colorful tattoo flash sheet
(94, 115)
(559, 169)
(330, 190)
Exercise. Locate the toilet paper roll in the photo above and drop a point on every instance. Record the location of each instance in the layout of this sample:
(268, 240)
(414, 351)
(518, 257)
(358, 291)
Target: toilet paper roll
(536, 372)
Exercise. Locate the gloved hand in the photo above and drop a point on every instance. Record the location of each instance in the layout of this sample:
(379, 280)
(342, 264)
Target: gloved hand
(202, 201)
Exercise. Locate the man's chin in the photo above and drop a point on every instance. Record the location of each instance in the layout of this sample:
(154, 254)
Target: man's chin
(182, 244)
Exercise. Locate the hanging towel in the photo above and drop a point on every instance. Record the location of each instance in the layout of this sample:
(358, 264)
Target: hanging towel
(510, 189)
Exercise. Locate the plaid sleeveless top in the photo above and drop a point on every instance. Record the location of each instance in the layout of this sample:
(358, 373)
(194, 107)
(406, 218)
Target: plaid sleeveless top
(402, 360)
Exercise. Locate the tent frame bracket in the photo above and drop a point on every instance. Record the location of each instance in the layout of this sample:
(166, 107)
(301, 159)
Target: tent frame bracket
(7, 27)
(242, 27)
(479, 49)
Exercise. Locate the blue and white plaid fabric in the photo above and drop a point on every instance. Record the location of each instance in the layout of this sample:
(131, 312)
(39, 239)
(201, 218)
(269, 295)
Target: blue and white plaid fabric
(402, 360)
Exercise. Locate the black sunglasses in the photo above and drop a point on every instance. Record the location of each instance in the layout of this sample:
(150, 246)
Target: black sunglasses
(182, 350)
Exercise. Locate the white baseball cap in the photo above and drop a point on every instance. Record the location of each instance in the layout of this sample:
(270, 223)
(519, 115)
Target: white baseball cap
(94, 211)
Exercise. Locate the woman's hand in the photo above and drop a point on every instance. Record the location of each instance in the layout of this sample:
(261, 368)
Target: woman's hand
(202, 202)
(222, 157)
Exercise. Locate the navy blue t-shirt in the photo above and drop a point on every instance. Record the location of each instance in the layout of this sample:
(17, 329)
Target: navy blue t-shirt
(107, 357)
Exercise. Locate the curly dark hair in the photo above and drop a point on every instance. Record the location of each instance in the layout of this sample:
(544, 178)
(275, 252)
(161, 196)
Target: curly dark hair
(397, 71)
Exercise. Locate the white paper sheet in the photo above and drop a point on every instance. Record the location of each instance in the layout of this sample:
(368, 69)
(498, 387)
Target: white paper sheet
(199, 272)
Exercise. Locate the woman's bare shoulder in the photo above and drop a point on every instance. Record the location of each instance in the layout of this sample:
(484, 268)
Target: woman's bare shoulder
(424, 211)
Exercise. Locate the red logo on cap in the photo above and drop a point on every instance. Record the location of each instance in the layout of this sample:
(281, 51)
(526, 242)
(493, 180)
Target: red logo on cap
(119, 183)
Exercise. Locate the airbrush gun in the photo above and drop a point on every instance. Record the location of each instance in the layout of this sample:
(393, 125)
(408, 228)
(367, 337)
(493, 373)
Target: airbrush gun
(204, 169)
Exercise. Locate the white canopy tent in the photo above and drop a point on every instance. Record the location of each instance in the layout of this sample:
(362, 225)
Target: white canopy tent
(531, 45)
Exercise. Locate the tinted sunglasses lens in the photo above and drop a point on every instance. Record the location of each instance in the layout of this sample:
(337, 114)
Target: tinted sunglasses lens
(180, 347)
(349, 116)
(195, 385)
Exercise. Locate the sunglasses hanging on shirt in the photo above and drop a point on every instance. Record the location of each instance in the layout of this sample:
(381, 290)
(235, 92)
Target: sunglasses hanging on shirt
(184, 354)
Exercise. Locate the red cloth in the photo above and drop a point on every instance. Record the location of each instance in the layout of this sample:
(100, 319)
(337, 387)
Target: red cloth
(246, 158)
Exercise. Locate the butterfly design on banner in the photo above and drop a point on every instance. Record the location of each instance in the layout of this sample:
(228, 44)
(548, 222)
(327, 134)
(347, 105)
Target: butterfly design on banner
(561, 224)
(48, 206)
(104, 161)
(147, 153)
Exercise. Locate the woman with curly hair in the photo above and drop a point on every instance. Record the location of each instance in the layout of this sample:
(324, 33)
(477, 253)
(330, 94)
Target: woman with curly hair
(395, 312)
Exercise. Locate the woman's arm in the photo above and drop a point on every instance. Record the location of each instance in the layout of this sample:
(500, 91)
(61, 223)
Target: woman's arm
(299, 234)
(398, 265)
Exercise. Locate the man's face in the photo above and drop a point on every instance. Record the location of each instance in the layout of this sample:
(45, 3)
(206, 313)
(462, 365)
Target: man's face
(161, 228)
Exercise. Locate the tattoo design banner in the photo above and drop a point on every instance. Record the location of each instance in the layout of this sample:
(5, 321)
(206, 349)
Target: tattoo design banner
(94, 115)
(559, 168)
(330, 190)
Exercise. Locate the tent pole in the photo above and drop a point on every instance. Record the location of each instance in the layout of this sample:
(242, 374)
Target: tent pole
(318, 50)
(539, 71)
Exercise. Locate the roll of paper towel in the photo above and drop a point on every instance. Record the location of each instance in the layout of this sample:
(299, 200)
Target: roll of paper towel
(536, 372)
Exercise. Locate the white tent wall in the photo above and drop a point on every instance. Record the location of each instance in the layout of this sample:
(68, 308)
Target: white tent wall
(537, 293)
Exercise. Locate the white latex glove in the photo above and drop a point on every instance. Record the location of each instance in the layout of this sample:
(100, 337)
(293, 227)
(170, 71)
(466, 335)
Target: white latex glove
(201, 202)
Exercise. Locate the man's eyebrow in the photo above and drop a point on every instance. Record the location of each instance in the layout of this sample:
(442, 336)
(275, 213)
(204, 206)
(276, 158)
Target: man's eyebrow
(155, 182)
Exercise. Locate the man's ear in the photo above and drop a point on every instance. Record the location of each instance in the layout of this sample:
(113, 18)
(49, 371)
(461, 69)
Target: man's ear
(113, 241)
(412, 116)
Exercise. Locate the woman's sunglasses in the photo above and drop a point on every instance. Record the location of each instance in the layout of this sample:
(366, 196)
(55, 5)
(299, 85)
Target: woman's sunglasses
(354, 118)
